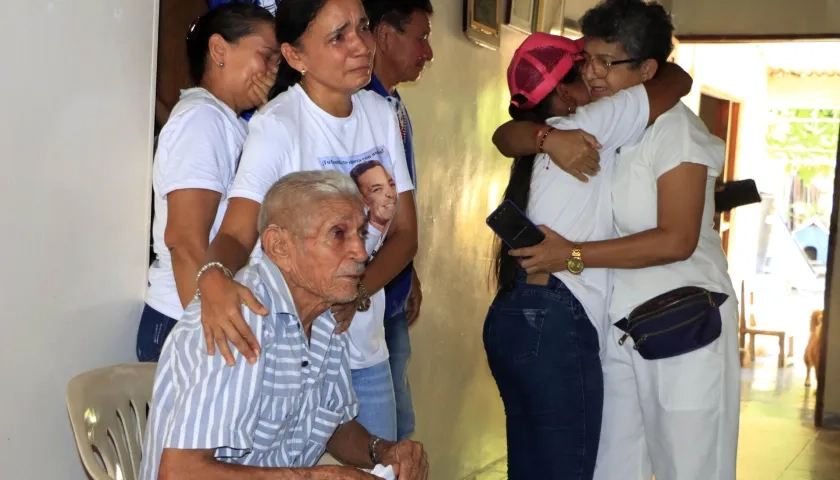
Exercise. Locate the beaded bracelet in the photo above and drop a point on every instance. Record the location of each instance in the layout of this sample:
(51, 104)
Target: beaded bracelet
(206, 267)
(541, 136)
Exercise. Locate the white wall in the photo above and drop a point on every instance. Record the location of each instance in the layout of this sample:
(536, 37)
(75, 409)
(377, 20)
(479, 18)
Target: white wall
(75, 151)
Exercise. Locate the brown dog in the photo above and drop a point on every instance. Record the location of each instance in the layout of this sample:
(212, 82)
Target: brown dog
(812, 351)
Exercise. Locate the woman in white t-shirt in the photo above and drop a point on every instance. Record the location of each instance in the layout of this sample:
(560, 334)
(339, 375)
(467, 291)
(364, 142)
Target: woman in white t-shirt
(319, 119)
(231, 50)
(673, 413)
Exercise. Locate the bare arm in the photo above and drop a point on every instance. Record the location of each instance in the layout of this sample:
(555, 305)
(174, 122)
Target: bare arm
(350, 445)
(680, 201)
(681, 195)
(237, 235)
(178, 464)
(189, 219)
(520, 138)
(666, 89)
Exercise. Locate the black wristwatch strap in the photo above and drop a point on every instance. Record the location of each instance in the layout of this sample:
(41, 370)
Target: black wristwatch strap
(373, 455)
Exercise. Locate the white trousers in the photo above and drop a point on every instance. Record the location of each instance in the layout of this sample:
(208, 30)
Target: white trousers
(675, 418)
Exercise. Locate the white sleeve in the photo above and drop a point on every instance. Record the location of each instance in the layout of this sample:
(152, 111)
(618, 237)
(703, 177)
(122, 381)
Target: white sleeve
(402, 179)
(614, 121)
(680, 137)
(265, 158)
(194, 155)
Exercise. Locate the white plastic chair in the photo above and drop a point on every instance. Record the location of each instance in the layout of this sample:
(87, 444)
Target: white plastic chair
(107, 409)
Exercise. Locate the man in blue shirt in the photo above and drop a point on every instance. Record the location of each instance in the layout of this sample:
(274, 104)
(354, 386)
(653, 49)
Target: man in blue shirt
(401, 29)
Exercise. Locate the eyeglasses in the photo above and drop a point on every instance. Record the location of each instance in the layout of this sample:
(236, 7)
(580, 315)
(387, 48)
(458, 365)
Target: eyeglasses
(601, 66)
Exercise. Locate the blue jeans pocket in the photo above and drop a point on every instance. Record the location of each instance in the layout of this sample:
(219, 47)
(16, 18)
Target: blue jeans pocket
(515, 332)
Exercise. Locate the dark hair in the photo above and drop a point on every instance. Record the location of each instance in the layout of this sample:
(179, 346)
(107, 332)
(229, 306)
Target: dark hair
(396, 13)
(363, 167)
(519, 186)
(644, 29)
(292, 19)
(232, 21)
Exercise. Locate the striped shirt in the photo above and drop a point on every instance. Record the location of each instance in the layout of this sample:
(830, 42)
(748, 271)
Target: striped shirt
(279, 412)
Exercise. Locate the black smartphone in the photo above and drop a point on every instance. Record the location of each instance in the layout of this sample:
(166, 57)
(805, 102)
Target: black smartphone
(514, 227)
(736, 194)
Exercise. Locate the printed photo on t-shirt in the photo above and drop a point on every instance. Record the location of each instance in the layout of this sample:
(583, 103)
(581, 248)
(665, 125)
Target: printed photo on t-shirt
(373, 173)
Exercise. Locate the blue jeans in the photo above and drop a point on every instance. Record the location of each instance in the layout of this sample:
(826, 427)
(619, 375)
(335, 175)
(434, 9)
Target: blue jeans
(399, 349)
(152, 332)
(543, 353)
(375, 391)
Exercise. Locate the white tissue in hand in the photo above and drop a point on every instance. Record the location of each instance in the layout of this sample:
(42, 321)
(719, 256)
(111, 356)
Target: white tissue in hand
(384, 472)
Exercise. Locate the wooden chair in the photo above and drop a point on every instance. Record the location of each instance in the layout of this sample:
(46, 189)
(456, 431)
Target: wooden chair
(749, 328)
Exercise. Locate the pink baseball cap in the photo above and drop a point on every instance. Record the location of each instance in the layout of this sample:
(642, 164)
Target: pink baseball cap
(539, 64)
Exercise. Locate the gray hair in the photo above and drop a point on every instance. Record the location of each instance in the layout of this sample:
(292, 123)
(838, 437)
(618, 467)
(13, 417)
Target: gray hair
(293, 193)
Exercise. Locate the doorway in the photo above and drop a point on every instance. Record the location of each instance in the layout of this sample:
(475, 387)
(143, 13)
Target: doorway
(721, 116)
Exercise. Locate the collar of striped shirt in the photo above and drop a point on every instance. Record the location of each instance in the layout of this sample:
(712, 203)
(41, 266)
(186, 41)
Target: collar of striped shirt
(281, 297)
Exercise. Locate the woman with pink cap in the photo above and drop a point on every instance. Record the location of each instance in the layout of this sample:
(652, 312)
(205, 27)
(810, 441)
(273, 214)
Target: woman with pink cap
(671, 365)
(542, 333)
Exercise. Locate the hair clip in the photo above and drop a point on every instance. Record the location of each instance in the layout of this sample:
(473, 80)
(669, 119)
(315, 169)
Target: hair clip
(192, 26)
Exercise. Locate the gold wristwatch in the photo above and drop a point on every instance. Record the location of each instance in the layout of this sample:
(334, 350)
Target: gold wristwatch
(363, 299)
(575, 263)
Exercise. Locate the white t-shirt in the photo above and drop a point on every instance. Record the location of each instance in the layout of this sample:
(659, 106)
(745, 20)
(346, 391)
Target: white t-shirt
(290, 134)
(581, 211)
(198, 147)
(677, 136)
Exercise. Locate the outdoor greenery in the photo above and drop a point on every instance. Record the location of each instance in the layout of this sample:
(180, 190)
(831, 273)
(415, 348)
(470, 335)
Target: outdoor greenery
(806, 139)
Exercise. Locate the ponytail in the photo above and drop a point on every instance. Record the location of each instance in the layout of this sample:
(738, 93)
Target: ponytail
(292, 19)
(232, 21)
(519, 187)
(518, 191)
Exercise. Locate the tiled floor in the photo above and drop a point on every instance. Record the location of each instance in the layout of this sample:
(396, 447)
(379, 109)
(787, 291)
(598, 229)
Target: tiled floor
(778, 440)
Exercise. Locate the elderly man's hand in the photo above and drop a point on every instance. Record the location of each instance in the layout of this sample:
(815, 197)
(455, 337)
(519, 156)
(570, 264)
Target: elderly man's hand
(408, 459)
(343, 314)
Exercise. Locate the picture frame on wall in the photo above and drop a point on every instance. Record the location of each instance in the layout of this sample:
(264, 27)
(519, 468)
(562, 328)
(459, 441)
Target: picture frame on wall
(525, 15)
(483, 22)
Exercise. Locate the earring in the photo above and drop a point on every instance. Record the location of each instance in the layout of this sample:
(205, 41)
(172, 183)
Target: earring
(221, 64)
(303, 72)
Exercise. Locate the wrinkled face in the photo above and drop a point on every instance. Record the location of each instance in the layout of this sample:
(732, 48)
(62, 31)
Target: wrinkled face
(327, 258)
(336, 51)
(252, 55)
(380, 194)
(409, 50)
(602, 76)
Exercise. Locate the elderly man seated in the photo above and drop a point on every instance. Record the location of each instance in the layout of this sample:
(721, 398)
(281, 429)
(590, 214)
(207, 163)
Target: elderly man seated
(275, 418)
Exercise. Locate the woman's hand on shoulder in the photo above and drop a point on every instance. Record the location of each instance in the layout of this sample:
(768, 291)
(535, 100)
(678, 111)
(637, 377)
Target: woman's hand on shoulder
(221, 316)
(548, 256)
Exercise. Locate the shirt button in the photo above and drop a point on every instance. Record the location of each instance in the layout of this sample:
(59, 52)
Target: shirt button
(304, 363)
